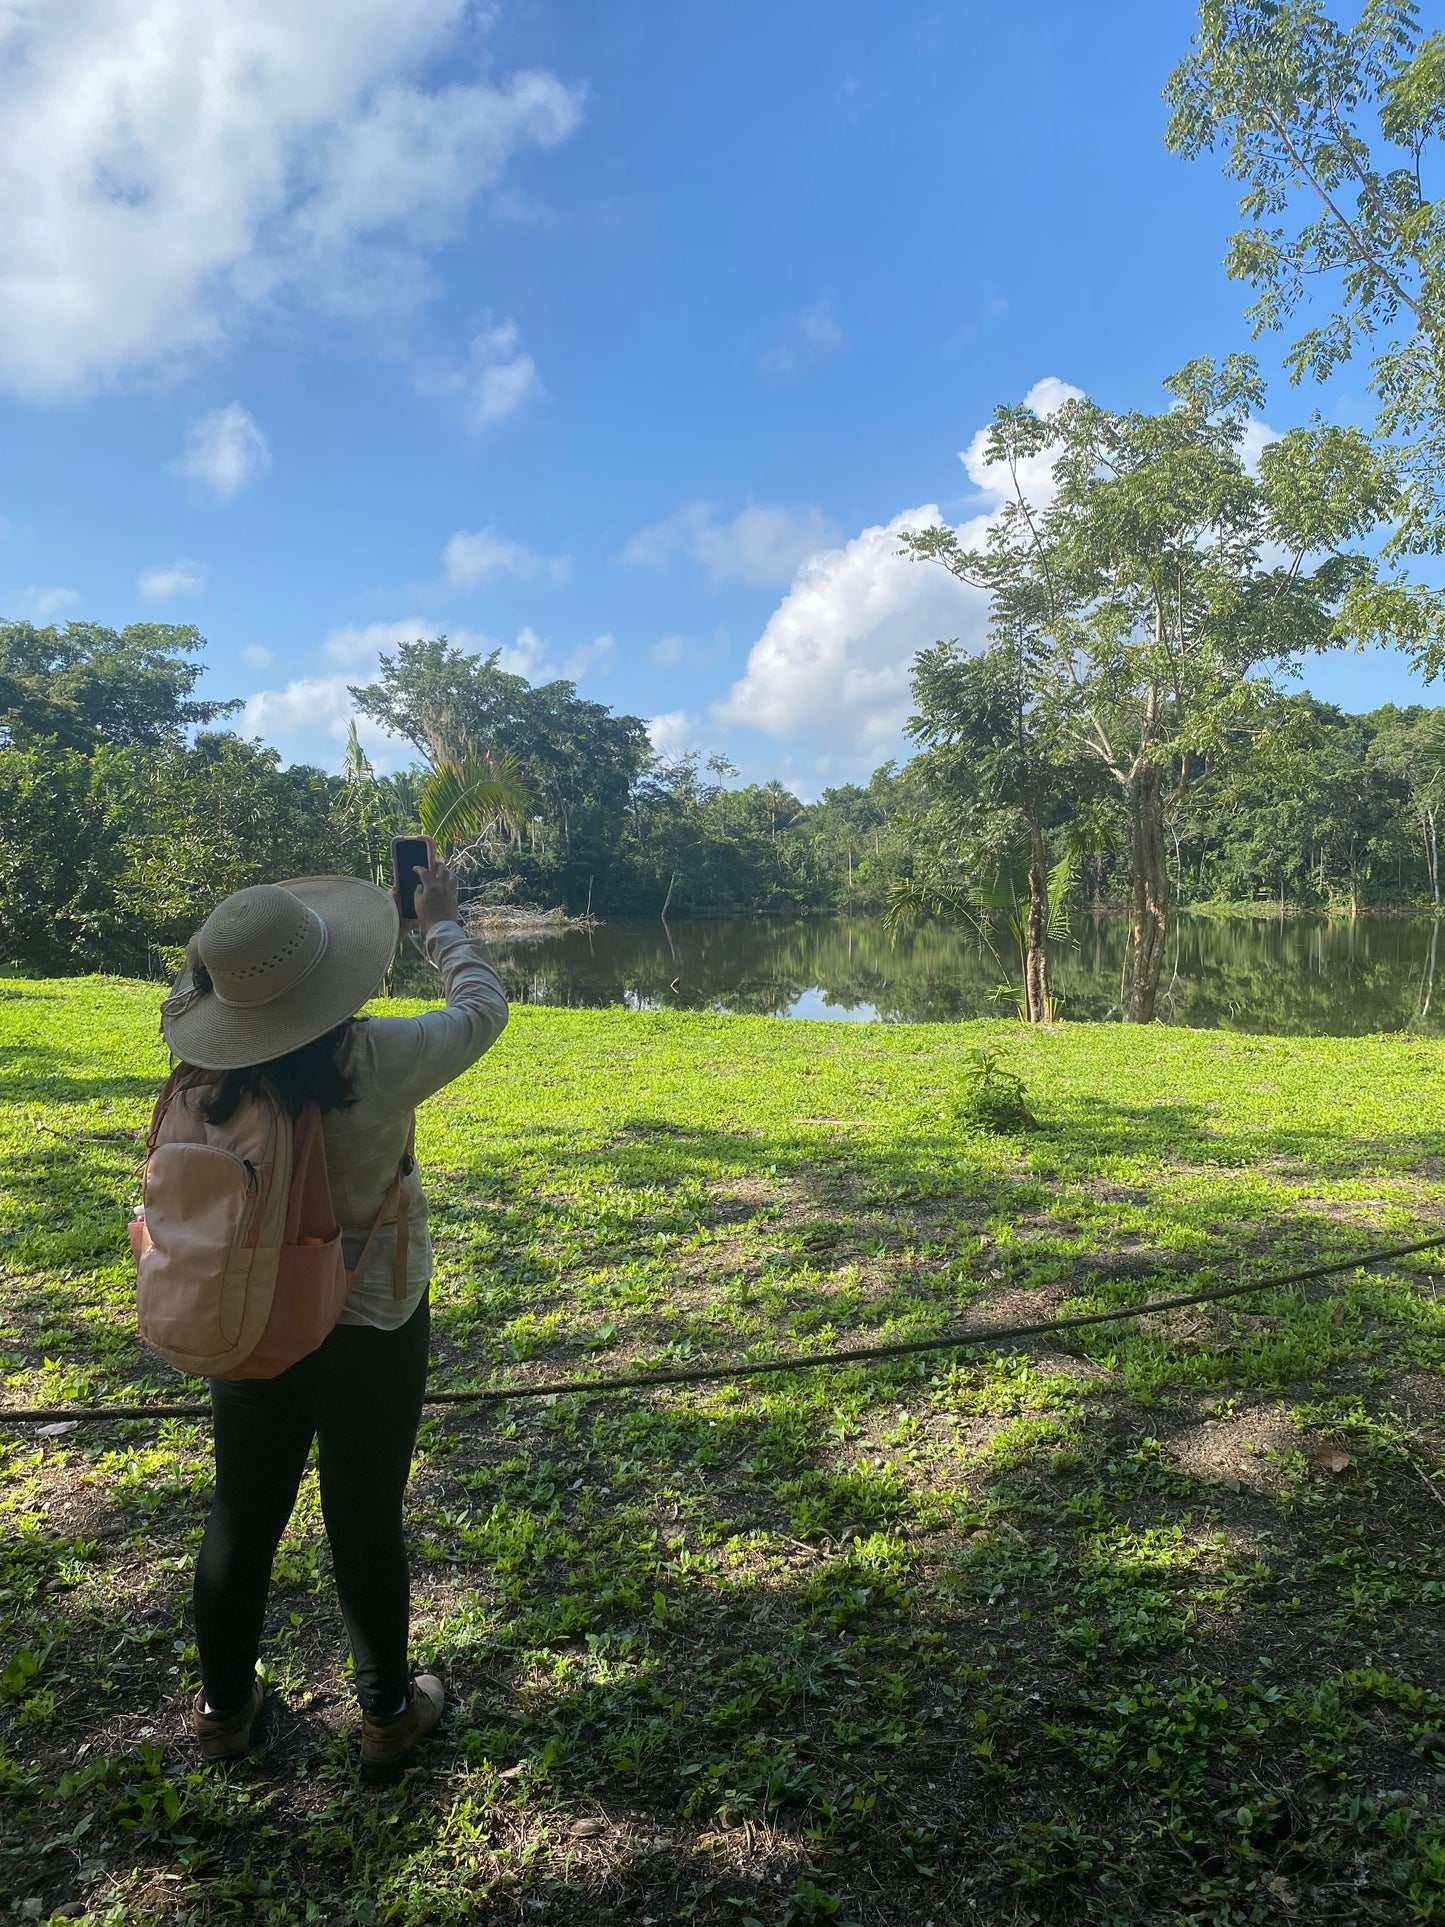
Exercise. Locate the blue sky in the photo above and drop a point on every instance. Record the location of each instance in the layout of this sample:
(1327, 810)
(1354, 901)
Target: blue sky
(615, 337)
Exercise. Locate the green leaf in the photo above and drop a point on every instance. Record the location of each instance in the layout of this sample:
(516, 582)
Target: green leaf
(466, 801)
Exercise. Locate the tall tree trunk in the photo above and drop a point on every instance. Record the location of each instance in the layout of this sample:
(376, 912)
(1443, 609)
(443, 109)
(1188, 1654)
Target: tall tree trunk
(1151, 891)
(1432, 856)
(1038, 1005)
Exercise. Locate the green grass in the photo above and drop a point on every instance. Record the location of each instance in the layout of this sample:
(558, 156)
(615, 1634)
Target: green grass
(1142, 1630)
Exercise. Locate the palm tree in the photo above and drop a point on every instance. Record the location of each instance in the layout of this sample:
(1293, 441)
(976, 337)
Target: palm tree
(373, 806)
(970, 905)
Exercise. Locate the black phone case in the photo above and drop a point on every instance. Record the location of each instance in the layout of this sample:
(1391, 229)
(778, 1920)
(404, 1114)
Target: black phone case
(404, 872)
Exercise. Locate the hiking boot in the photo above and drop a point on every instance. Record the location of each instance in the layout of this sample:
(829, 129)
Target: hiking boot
(386, 1742)
(226, 1736)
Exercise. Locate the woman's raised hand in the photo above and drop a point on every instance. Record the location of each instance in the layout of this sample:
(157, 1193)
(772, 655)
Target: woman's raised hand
(436, 896)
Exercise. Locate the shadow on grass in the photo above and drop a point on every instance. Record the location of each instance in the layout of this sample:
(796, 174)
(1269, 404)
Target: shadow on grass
(982, 1642)
(916, 1221)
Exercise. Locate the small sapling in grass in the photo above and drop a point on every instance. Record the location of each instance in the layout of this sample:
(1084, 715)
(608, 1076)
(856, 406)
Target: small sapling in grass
(993, 1097)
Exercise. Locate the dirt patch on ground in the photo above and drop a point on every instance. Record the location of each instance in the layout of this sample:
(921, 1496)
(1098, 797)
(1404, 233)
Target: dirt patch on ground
(1421, 1396)
(1244, 1452)
(1358, 1211)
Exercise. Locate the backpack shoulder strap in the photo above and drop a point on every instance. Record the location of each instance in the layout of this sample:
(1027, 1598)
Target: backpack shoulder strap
(399, 1198)
(168, 1092)
(308, 1164)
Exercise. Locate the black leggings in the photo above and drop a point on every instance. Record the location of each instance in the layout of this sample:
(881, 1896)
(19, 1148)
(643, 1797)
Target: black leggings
(359, 1395)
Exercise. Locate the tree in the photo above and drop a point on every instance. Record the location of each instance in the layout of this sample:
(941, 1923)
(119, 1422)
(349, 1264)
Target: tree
(1002, 750)
(1164, 586)
(695, 845)
(860, 835)
(130, 848)
(578, 759)
(59, 863)
(1331, 130)
(370, 805)
(1410, 745)
(995, 799)
(87, 684)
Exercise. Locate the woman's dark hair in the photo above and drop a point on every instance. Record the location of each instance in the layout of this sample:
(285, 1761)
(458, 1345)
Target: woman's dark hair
(314, 1071)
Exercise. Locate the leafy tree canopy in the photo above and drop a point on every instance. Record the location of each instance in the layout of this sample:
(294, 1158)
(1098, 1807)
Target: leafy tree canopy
(1333, 131)
(86, 685)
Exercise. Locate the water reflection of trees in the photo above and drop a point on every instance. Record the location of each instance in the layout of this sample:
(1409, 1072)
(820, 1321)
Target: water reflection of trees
(1302, 976)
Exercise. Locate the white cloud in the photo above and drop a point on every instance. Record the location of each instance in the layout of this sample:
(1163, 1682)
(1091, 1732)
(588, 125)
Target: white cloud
(471, 556)
(761, 545)
(224, 450)
(808, 338)
(41, 602)
(850, 102)
(674, 733)
(595, 658)
(258, 655)
(305, 702)
(1046, 397)
(669, 652)
(660, 543)
(492, 381)
(831, 669)
(530, 655)
(358, 645)
(182, 577)
(309, 721)
(527, 656)
(309, 718)
(169, 171)
(818, 326)
(1257, 437)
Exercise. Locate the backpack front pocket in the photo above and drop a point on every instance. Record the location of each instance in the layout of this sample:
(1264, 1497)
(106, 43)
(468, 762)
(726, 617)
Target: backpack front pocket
(200, 1208)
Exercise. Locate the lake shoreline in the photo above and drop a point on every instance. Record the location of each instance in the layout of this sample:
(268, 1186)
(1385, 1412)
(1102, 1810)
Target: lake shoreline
(1301, 975)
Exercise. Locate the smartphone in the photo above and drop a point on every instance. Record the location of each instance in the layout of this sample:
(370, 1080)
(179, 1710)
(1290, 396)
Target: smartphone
(408, 854)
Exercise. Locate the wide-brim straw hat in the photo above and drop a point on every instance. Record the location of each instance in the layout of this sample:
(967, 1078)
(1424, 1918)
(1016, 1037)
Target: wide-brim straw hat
(287, 962)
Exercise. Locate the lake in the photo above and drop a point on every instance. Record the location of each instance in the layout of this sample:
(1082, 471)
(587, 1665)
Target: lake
(1304, 976)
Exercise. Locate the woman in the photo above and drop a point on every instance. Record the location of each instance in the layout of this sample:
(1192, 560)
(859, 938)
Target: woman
(271, 989)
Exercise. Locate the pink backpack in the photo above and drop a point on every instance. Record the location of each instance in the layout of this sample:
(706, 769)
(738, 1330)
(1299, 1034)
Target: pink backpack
(238, 1252)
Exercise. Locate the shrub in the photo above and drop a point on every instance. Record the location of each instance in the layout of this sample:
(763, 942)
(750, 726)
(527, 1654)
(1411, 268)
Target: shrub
(993, 1096)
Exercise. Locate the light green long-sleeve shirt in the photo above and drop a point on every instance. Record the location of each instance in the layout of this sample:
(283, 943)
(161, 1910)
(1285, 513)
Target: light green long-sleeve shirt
(395, 1063)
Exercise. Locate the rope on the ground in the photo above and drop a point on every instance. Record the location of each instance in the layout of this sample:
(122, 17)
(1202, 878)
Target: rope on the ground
(811, 1361)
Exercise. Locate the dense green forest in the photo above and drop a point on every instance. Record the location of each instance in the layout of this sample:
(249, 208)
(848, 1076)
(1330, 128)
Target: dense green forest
(129, 808)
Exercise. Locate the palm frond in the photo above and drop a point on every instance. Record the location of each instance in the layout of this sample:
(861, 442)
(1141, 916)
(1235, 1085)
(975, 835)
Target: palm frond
(910, 900)
(358, 763)
(466, 800)
(1061, 884)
